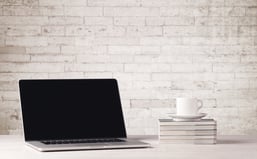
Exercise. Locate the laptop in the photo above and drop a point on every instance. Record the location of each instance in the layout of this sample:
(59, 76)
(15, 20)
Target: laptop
(73, 114)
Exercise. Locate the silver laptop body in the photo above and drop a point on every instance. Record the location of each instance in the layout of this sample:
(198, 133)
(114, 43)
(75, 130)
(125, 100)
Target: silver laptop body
(73, 114)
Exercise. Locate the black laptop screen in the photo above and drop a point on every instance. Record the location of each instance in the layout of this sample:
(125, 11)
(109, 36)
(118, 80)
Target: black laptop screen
(71, 109)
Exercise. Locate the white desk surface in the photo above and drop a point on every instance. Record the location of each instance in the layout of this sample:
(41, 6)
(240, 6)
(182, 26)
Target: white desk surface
(228, 147)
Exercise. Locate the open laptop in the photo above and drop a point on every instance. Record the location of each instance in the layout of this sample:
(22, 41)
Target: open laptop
(73, 114)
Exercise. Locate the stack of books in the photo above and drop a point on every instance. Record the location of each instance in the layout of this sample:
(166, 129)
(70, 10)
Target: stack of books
(188, 132)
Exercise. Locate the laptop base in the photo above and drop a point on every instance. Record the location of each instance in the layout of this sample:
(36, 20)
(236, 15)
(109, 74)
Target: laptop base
(87, 146)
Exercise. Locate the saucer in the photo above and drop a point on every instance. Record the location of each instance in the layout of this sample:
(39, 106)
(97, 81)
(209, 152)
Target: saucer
(196, 117)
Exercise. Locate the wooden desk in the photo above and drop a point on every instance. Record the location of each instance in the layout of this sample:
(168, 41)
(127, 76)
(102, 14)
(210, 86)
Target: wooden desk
(228, 147)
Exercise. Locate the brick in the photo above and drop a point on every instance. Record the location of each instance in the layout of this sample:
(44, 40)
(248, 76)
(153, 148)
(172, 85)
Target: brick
(247, 20)
(104, 59)
(204, 76)
(2, 41)
(168, 11)
(79, 30)
(103, 31)
(14, 58)
(83, 11)
(129, 21)
(30, 2)
(65, 20)
(113, 3)
(232, 85)
(98, 74)
(144, 31)
(246, 49)
(245, 31)
(191, 67)
(251, 11)
(52, 58)
(201, 31)
(185, 49)
(30, 67)
(109, 31)
(253, 84)
(216, 58)
(52, 11)
(160, 21)
(21, 10)
(240, 3)
(241, 75)
(9, 95)
(147, 68)
(83, 49)
(23, 30)
(12, 50)
(184, 11)
(63, 2)
(234, 68)
(249, 58)
(98, 21)
(60, 40)
(43, 50)
(185, 31)
(150, 50)
(23, 20)
(245, 41)
(217, 21)
(132, 76)
(53, 30)
(131, 11)
(192, 85)
(152, 103)
(211, 41)
(66, 75)
(160, 41)
(94, 67)
(116, 41)
(141, 94)
(9, 104)
(11, 2)
(226, 11)
(8, 86)
(124, 49)
(151, 84)
(182, 3)
(162, 59)
(17, 76)
(26, 41)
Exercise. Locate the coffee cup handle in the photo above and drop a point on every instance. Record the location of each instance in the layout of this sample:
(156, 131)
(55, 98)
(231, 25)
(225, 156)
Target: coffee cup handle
(200, 105)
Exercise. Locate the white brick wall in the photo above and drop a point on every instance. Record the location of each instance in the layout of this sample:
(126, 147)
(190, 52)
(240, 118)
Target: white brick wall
(157, 49)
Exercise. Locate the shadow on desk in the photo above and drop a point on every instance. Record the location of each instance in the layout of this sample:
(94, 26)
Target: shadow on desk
(238, 140)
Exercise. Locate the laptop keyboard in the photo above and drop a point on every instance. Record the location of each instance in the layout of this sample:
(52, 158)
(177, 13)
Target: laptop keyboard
(75, 141)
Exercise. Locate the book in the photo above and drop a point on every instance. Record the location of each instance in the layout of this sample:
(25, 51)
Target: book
(186, 137)
(189, 141)
(189, 132)
(188, 127)
(171, 122)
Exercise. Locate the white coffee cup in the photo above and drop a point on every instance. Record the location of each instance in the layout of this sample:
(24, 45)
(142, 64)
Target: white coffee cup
(188, 106)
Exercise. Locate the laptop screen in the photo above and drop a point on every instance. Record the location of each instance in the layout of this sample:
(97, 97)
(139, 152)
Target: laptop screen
(71, 109)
